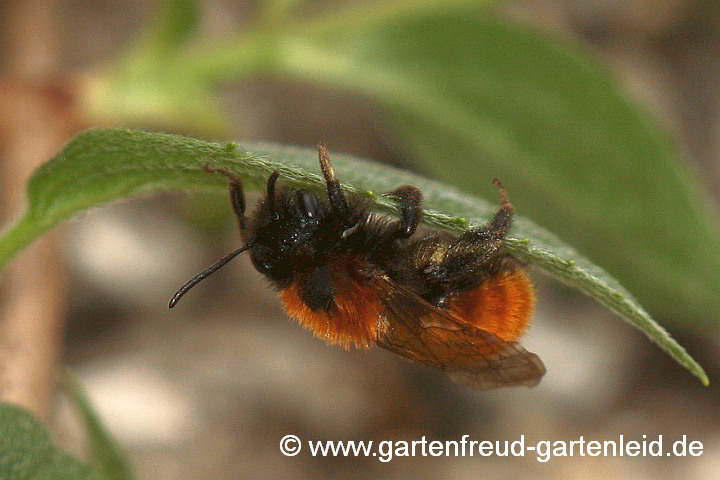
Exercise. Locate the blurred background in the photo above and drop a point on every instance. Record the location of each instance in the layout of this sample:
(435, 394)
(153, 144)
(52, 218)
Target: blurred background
(601, 117)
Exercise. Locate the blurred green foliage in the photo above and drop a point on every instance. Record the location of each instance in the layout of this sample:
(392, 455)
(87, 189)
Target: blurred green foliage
(107, 457)
(472, 96)
(28, 453)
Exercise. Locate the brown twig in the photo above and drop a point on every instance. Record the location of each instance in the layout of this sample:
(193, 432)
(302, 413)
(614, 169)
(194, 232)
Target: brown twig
(37, 117)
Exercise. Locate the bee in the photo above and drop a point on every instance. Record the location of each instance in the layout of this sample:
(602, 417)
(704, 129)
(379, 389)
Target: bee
(357, 278)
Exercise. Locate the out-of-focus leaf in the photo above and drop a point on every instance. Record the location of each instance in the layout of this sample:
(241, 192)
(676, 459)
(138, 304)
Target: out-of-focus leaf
(167, 82)
(173, 24)
(103, 165)
(164, 99)
(27, 452)
(466, 91)
(151, 85)
(171, 27)
(106, 455)
(478, 95)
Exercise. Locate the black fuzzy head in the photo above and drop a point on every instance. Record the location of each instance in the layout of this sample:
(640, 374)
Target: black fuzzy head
(291, 232)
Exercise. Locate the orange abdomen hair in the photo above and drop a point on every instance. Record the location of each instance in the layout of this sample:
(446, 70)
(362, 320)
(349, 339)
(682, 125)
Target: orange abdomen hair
(357, 320)
(503, 305)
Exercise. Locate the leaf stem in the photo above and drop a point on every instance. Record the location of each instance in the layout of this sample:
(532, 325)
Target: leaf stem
(20, 234)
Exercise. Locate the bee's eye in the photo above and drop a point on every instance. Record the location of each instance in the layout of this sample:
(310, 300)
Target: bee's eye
(308, 203)
(266, 267)
(262, 262)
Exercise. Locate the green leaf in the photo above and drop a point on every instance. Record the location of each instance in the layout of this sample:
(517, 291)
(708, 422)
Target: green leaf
(27, 452)
(169, 82)
(103, 165)
(106, 454)
(173, 24)
(151, 85)
(470, 95)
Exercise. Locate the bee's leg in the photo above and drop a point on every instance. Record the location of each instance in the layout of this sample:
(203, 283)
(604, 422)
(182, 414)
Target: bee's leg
(409, 199)
(471, 258)
(335, 194)
(484, 243)
(237, 197)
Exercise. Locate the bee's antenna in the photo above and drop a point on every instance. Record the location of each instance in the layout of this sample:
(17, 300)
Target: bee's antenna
(205, 273)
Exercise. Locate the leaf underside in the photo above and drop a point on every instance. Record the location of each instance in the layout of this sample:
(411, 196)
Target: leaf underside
(27, 452)
(102, 165)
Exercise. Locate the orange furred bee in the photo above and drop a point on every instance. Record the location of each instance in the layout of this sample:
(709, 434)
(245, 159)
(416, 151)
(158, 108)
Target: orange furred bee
(357, 278)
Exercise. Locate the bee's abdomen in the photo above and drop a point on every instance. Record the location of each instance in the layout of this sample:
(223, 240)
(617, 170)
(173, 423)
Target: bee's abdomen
(354, 318)
(503, 305)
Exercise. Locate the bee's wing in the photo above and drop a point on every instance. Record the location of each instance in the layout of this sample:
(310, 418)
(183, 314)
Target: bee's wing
(469, 355)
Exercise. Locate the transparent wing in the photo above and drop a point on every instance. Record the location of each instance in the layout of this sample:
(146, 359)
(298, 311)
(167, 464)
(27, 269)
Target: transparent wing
(470, 356)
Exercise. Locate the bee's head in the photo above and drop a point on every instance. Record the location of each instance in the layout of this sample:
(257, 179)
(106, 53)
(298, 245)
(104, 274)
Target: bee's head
(292, 230)
(284, 231)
